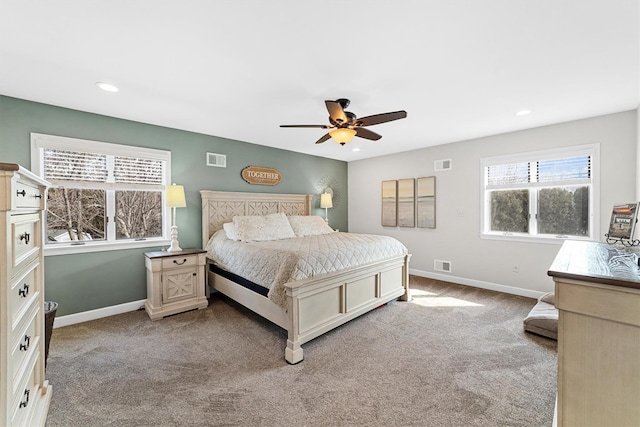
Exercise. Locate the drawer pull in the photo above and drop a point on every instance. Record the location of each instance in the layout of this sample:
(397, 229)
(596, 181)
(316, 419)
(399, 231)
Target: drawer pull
(26, 236)
(24, 291)
(27, 343)
(38, 196)
(180, 263)
(22, 193)
(25, 402)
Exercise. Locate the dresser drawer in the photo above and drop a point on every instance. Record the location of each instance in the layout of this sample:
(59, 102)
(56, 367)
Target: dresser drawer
(179, 261)
(25, 234)
(25, 395)
(24, 341)
(23, 291)
(27, 196)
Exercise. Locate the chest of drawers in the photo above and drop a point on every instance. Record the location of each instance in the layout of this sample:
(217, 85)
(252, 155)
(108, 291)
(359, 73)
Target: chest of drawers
(24, 392)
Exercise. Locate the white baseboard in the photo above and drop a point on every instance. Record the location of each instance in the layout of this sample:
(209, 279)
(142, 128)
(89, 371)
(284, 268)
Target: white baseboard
(478, 284)
(98, 313)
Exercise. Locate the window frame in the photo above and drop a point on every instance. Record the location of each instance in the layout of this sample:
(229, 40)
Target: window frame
(40, 142)
(592, 150)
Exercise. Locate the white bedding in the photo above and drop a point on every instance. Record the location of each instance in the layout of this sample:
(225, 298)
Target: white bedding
(273, 263)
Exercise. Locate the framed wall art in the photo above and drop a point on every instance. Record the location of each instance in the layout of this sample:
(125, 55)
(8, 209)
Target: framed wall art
(389, 203)
(406, 203)
(426, 202)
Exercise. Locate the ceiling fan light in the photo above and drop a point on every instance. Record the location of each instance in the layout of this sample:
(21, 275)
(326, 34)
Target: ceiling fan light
(342, 135)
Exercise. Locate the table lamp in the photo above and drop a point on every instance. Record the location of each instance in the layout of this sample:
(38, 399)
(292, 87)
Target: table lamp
(175, 199)
(326, 202)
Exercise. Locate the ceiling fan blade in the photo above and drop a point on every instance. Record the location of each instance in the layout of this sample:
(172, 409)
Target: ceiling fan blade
(323, 139)
(336, 112)
(306, 126)
(367, 134)
(380, 118)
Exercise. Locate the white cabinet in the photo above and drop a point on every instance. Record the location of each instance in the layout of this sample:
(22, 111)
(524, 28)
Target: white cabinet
(175, 282)
(24, 392)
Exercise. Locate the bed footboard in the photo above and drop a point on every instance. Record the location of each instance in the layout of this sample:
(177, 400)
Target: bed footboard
(317, 305)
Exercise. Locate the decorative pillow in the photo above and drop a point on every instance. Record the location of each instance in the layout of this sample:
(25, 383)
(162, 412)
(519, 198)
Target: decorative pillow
(230, 231)
(255, 228)
(311, 225)
(549, 298)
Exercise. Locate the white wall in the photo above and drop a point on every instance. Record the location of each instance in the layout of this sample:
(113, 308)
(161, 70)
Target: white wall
(456, 238)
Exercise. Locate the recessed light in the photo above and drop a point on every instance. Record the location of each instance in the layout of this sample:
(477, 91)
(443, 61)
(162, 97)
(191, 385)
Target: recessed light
(107, 87)
(523, 112)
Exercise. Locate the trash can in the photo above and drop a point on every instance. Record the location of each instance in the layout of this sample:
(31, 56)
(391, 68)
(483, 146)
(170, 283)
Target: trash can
(50, 308)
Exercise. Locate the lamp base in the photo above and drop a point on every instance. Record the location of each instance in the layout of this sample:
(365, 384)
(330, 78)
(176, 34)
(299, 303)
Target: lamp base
(175, 246)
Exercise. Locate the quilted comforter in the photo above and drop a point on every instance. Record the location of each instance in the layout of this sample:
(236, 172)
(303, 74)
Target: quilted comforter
(274, 263)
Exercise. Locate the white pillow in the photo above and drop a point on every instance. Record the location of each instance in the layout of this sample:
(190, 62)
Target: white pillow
(255, 228)
(311, 225)
(230, 231)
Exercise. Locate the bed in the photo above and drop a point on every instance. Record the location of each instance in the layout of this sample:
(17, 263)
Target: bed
(310, 306)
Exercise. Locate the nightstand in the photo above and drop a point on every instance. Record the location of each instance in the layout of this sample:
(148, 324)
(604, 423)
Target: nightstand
(175, 282)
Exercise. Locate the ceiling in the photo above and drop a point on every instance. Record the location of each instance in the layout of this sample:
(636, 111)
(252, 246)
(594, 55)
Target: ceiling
(240, 68)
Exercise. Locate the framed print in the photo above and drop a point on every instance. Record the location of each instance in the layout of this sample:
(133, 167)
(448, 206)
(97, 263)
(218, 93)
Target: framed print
(426, 202)
(406, 203)
(623, 221)
(389, 203)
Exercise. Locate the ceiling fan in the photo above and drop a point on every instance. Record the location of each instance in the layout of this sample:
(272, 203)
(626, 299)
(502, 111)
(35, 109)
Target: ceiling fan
(346, 125)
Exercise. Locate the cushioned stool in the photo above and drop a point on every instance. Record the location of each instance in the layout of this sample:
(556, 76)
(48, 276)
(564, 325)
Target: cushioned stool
(543, 317)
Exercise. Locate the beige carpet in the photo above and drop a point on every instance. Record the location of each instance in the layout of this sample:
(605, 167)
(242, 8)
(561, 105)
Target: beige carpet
(454, 356)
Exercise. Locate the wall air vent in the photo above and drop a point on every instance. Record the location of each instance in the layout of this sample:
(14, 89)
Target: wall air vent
(439, 265)
(443, 165)
(217, 160)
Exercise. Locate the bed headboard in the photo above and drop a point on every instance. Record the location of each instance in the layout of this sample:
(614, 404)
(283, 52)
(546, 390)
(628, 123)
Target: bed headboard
(219, 207)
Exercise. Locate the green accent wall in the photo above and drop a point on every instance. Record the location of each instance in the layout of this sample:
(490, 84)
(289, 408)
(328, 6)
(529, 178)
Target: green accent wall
(83, 282)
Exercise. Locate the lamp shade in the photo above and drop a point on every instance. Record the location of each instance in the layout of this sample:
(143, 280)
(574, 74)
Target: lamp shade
(342, 135)
(326, 201)
(175, 196)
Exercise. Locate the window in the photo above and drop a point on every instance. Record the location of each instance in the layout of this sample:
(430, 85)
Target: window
(104, 196)
(550, 195)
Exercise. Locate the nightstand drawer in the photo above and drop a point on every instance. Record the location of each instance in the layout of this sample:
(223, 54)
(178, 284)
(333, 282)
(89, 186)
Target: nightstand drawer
(24, 232)
(23, 291)
(179, 261)
(27, 196)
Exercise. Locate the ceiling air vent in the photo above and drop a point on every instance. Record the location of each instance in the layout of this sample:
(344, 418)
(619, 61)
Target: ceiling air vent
(439, 265)
(217, 160)
(442, 165)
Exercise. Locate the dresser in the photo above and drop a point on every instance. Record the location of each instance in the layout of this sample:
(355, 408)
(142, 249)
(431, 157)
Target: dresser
(24, 392)
(598, 301)
(175, 282)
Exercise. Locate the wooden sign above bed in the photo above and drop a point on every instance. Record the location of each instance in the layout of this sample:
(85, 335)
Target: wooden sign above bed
(261, 176)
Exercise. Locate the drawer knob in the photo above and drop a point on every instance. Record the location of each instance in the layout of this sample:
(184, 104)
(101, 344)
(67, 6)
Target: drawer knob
(25, 402)
(22, 193)
(180, 263)
(26, 237)
(27, 342)
(24, 291)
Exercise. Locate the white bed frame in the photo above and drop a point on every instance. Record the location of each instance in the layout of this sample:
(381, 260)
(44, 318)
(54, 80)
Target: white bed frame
(316, 305)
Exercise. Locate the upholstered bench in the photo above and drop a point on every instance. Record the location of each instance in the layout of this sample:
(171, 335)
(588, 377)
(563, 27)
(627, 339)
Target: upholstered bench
(543, 317)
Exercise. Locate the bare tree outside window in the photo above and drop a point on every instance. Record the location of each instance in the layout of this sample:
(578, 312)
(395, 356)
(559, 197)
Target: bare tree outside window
(75, 214)
(138, 214)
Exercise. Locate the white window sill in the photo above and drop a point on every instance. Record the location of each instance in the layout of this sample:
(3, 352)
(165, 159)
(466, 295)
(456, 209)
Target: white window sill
(532, 239)
(68, 249)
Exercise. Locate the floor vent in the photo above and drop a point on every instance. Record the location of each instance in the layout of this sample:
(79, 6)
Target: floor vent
(217, 160)
(442, 165)
(439, 265)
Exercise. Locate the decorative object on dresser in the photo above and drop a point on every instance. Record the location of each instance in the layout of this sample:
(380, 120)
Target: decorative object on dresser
(175, 199)
(598, 300)
(24, 392)
(175, 282)
(307, 302)
(623, 224)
